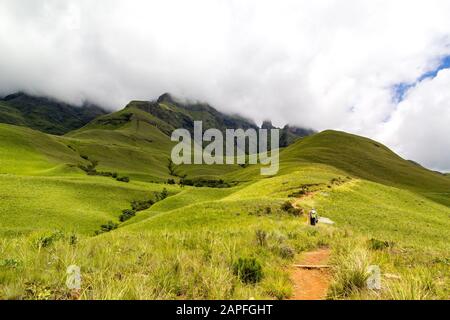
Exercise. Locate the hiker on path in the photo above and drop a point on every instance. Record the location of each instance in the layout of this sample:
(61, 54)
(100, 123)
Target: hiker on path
(313, 217)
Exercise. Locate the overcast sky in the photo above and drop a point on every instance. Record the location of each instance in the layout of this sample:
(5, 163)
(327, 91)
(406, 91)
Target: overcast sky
(377, 68)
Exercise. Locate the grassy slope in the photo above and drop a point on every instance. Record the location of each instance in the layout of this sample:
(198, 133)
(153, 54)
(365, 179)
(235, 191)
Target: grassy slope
(45, 114)
(134, 142)
(228, 219)
(63, 195)
(37, 167)
(11, 115)
(25, 151)
(78, 205)
(366, 159)
(185, 245)
(388, 213)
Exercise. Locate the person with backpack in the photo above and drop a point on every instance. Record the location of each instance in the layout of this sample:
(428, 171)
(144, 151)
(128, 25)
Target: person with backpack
(313, 217)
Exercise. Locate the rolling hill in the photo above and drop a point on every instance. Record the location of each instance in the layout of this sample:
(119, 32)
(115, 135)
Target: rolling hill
(369, 160)
(388, 211)
(44, 114)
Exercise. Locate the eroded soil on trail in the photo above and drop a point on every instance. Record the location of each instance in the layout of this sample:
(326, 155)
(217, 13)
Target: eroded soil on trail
(311, 284)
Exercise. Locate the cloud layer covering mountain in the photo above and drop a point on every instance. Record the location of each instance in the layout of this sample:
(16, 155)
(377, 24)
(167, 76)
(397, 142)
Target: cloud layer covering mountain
(376, 68)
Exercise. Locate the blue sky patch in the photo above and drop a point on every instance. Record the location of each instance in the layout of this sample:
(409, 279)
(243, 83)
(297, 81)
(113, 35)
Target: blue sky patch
(400, 89)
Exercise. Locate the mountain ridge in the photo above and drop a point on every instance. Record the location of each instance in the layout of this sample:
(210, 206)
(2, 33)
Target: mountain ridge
(46, 114)
(169, 113)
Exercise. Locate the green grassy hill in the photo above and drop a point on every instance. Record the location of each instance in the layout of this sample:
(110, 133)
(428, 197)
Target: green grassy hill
(133, 142)
(45, 114)
(24, 151)
(388, 212)
(366, 159)
(136, 143)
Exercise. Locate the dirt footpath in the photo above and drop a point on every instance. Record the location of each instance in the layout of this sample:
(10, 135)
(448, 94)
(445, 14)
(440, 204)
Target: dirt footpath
(311, 284)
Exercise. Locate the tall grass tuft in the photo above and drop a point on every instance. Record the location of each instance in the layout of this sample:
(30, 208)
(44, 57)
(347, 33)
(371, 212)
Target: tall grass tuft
(351, 271)
(411, 286)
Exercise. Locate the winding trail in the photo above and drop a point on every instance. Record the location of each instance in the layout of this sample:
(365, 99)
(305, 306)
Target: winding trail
(311, 284)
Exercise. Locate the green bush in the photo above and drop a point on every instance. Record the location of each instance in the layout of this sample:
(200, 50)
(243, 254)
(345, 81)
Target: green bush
(248, 270)
(296, 212)
(286, 252)
(299, 193)
(164, 194)
(261, 238)
(172, 168)
(375, 244)
(201, 182)
(46, 239)
(289, 208)
(140, 205)
(73, 239)
(123, 179)
(108, 226)
(126, 215)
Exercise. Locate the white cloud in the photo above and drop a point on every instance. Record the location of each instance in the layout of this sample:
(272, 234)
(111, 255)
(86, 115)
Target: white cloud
(421, 124)
(322, 64)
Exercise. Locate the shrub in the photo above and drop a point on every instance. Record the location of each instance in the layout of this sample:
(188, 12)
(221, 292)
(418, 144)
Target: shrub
(127, 214)
(172, 168)
(94, 163)
(46, 239)
(88, 169)
(248, 270)
(286, 252)
(268, 210)
(73, 239)
(103, 173)
(164, 194)
(140, 205)
(261, 238)
(108, 226)
(201, 182)
(299, 193)
(171, 181)
(287, 206)
(375, 244)
(296, 211)
(335, 181)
